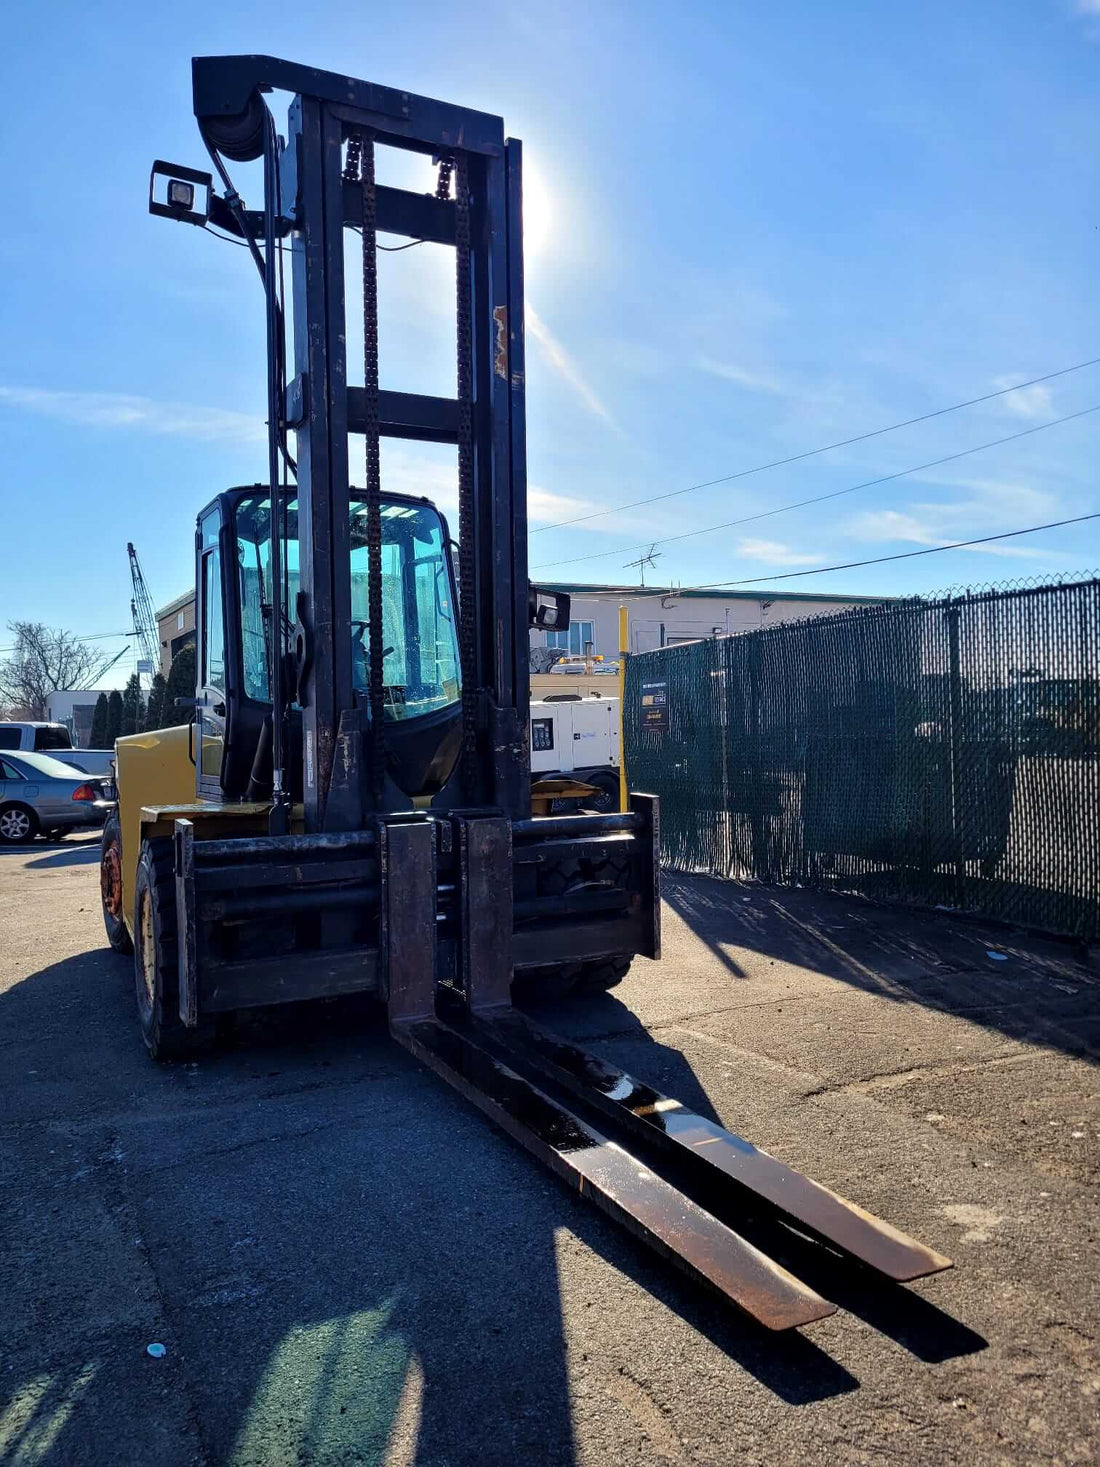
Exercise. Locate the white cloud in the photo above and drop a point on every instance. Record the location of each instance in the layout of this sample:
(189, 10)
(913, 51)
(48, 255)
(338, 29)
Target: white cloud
(886, 525)
(774, 553)
(565, 366)
(754, 381)
(933, 524)
(545, 507)
(406, 470)
(1032, 403)
(124, 410)
(432, 470)
(1087, 7)
(1008, 496)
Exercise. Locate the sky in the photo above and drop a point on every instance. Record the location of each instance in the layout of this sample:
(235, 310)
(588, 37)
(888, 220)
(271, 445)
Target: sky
(752, 231)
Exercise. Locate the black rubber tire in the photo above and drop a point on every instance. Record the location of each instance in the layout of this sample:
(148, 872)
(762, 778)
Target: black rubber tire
(113, 923)
(607, 801)
(23, 831)
(534, 987)
(155, 946)
(603, 973)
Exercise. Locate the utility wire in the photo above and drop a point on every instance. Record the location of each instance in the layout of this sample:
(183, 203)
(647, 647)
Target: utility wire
(95, 637)
(877, 560)
(821, 498)
(826, 448)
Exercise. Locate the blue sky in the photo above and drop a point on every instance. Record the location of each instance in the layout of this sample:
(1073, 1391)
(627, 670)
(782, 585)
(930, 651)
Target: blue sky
(752, 230)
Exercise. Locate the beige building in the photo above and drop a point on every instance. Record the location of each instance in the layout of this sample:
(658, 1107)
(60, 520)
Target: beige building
(175, 628)
(661, 618)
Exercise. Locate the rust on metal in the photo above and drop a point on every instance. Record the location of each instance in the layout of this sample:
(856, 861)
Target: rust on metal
(618, 1183)
(718, 1153)
(110, 880)
(500, 354)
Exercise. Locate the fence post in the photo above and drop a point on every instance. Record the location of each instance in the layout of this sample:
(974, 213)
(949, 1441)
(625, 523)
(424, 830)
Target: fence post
(623, 653)
(756, 792)
(956, 730)
(725, 816)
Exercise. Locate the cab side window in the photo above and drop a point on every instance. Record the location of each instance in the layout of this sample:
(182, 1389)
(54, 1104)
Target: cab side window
(212, 673)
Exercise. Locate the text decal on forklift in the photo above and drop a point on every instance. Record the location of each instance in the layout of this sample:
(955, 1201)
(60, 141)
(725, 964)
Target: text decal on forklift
(655, 705)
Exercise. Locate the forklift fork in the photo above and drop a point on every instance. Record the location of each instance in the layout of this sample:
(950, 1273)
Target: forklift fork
(516, 1074)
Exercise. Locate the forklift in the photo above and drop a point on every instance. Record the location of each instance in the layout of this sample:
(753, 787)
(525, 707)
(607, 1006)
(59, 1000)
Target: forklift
(349, 809)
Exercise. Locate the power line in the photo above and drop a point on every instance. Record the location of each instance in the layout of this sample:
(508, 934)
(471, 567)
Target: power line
(95, 637)
(821, 498)
(826, 448)
(878, 559)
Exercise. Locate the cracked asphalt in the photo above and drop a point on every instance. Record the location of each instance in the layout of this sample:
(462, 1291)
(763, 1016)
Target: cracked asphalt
(346, 1264)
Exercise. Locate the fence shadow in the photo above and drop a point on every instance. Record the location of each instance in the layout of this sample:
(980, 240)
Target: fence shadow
(1039, 991)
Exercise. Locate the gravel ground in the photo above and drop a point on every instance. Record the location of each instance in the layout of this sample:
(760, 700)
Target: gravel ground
(345, 1264)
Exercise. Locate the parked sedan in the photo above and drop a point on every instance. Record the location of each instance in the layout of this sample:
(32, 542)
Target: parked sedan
(42, 796)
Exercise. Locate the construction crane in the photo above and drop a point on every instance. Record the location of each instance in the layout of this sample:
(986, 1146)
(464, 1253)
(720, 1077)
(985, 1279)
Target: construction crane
(145, 619)
(351, 811)
(101, 668)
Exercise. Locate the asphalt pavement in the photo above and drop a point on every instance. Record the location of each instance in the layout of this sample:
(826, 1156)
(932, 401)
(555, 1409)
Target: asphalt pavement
(346, 1264)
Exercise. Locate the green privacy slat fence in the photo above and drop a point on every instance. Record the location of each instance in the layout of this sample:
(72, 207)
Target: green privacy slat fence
(936, 752)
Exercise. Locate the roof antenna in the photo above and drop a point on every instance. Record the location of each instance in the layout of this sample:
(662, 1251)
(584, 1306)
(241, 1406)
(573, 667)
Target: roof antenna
(643, 560)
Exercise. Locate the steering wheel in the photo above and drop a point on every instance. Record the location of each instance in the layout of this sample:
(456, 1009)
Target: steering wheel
(357, 637)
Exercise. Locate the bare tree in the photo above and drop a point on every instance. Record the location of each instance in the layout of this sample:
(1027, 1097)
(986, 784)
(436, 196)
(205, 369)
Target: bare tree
(44, 659)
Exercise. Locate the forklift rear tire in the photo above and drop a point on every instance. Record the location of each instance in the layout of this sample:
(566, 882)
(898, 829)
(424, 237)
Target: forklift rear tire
(156, 977)
(110, 886)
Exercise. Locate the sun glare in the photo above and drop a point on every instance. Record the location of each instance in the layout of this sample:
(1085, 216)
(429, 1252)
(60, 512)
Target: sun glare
(538, 212)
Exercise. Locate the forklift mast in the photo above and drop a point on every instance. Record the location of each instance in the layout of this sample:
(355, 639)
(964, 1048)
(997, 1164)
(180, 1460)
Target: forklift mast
(319, 184)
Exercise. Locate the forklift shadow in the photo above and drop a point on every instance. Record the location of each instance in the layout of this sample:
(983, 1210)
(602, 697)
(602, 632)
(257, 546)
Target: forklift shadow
(353, 1265)
(906, 1317)
(602, 1020)
(500, 1227)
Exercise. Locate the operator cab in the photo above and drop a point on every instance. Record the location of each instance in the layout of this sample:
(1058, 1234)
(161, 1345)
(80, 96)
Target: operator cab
(420, 669)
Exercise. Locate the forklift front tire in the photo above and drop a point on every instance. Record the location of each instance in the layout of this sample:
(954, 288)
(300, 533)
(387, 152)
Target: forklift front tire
(600, 974)
(110, 886)
(156, 977)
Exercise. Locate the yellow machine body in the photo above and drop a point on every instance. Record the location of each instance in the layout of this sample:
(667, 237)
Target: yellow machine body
(155, 777)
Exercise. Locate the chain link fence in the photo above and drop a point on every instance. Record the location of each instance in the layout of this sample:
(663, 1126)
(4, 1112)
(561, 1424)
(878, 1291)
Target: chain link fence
(935, 752)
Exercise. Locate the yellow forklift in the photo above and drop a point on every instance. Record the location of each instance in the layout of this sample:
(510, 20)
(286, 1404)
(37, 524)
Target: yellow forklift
(349, 810)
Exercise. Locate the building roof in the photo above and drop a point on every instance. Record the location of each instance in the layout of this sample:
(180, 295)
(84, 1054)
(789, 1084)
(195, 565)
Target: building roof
(715, 594)
(654, 592)
(175, 605)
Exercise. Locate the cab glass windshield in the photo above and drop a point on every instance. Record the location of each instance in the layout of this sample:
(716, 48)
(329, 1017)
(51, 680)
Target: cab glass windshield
(420, 664)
